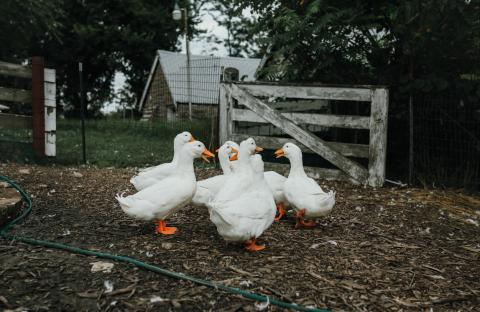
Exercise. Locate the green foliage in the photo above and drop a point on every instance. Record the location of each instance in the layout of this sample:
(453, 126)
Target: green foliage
(17, 20)
(110, 142)
(242, 37)
(107, 36)
(413, 46)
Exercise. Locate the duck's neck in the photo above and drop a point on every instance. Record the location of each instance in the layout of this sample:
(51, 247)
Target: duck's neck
(224, 163)
(176, 151)
(296, 166)
(185, 165)
(244, 161)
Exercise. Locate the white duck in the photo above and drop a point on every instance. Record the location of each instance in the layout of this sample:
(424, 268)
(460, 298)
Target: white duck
(245, 207)
(276, 181)
(166, 197)
(208, 188)
(302, 192)
(152, 175)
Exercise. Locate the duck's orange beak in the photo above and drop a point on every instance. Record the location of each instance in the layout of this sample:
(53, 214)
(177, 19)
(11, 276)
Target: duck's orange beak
(192, 139)
(206, 153)
(234, 154)
(258, 149)
(279, 153)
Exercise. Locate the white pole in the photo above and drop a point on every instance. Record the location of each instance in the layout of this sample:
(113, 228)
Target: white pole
(50, 112)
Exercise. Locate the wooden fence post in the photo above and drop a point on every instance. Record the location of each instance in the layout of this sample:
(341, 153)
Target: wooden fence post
(378, 137)
(222, 121)
(38, 110)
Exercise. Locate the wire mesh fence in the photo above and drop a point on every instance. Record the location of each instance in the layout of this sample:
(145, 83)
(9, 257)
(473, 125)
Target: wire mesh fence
(447, 142)
(186, 99)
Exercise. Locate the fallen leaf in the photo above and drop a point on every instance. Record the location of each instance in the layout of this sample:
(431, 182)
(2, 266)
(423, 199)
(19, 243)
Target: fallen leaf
(100, 266)
(154, 299)
(167, 245)
(108, 286)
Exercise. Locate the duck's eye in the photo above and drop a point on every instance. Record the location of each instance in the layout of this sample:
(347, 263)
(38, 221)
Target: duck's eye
(198, 145)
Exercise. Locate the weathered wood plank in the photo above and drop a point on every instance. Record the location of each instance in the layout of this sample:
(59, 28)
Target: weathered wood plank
(300, 105)
(15, 95)
(222, 115)
(311, 141)
(312, 172)
(50, 112)
(325, 120)
(378, 138)
(12, 121)
(15, 70)
(49, 75)
(309, 92)
(346, 149)
(230, 122)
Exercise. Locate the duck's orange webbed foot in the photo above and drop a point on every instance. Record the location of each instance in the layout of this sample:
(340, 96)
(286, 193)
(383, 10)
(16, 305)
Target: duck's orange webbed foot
(251, 245)
(162, 228)
(281, 211)
(302, 223)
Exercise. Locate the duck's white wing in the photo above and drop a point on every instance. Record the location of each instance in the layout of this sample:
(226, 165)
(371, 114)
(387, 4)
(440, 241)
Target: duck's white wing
(147, 178)
(276, 182)
(252, 205)
(207, 189)
(305, 193)
(244, 217)
(236, 185)
(158, 200)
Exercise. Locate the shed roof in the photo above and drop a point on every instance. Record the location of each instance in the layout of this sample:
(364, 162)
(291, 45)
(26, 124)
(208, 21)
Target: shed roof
(205, 74)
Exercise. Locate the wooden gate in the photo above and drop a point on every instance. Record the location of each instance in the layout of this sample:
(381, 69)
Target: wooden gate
(239, 102)
(42, 97)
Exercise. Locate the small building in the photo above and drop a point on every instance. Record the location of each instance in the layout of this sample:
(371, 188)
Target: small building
(166, 94)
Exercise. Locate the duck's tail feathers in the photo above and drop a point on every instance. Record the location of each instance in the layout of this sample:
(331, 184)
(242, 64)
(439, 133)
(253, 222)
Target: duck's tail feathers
(215, 210)
(145, 169)
(123, 201)
(331, 199)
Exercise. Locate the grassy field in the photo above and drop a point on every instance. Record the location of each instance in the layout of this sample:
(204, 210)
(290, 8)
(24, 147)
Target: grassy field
(109, 142)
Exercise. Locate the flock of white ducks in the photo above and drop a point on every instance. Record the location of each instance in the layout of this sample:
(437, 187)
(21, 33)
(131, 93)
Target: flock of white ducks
(242, 202)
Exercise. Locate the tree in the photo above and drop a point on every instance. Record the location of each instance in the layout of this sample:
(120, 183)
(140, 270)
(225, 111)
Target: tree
(423, 46)
(107, 36)
(241, 39)
(20, 20)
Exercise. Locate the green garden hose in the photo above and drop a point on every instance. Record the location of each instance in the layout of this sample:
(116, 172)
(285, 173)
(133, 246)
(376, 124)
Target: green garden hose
(26, 198)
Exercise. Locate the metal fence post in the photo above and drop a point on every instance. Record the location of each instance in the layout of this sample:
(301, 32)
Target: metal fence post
(82, 111)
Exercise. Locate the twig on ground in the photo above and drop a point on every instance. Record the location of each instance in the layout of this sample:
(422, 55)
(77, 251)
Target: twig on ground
(426, 304)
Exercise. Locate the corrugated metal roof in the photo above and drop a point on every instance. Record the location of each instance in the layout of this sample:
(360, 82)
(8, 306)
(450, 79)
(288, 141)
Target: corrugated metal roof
(205, 74)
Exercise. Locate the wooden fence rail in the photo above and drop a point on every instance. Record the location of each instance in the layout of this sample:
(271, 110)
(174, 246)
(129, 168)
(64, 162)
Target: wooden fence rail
(293, 124)
(42, 97)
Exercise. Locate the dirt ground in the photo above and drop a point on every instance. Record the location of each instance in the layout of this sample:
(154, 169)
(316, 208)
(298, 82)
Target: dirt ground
(393, 249)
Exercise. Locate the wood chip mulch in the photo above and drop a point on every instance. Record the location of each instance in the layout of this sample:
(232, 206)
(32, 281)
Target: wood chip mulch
(388, 249)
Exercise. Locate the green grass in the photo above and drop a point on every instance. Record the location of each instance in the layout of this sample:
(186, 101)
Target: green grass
(117, 142)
